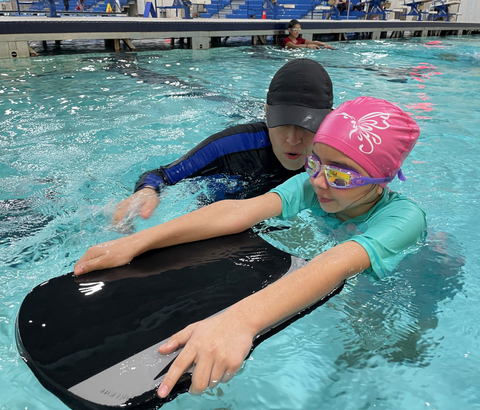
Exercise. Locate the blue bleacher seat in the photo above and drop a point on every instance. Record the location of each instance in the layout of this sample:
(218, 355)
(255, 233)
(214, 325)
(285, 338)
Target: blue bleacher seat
(88, 4)
(256, 8)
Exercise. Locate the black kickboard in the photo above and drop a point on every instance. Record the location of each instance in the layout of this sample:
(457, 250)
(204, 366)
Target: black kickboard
(92, 340)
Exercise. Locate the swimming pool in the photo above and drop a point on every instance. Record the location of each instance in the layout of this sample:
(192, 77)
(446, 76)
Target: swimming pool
(77, 130)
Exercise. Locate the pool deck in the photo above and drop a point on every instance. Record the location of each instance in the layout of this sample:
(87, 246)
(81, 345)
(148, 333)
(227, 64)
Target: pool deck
(17, 31)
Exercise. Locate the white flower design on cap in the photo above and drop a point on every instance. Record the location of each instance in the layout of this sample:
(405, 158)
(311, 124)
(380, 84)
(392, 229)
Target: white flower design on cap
(365, 125)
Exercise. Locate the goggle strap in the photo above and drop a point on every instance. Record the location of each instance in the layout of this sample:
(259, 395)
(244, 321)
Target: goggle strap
(400, 175)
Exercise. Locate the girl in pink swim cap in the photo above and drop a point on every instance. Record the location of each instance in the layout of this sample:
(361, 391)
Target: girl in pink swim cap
(363, 143)
(357, 151)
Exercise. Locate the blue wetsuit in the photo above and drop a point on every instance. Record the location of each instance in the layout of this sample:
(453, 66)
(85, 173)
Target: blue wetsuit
(244, 150)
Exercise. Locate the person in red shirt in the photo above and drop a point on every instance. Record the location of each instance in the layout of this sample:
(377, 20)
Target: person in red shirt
(295, 41)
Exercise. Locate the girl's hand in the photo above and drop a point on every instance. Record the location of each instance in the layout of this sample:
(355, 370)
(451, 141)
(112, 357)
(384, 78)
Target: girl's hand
(217, 346)
(107, 255)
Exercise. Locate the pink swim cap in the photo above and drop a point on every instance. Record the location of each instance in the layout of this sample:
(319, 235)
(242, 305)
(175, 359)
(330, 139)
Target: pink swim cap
(376, 134)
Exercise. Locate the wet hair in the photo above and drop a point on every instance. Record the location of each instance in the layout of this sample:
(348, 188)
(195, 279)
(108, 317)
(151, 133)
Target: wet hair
(293, 23)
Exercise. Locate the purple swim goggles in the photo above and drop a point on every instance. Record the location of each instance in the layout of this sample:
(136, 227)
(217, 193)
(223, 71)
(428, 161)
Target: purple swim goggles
(339, 177)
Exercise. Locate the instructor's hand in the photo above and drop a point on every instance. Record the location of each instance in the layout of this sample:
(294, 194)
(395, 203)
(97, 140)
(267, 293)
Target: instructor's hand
(107, 255)
(143, 202)
(217, 346)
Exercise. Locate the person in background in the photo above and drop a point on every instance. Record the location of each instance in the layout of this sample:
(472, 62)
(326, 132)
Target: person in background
(53, 9)
(295, 41)
(266, 153)
(341, 6)
(358, 149)
(66, 4)
(80, 5)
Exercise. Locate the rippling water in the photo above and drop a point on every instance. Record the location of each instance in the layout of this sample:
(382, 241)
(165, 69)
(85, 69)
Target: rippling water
(77, 130)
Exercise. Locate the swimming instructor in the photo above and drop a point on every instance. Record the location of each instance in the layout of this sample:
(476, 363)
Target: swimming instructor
(299, 97)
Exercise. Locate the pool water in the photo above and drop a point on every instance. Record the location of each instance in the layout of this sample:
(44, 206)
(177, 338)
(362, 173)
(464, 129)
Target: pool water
(77, 130)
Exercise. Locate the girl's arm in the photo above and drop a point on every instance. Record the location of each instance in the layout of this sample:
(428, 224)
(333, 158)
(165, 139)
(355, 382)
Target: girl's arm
(307, 44)
(218, 219)
(319, 44)
(219, 345)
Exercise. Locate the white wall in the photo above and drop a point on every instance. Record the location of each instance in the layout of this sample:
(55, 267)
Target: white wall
(396, 3)
(470, 10)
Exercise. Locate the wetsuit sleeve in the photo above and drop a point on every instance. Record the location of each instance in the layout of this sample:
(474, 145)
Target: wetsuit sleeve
(154, 178)
(237, 150)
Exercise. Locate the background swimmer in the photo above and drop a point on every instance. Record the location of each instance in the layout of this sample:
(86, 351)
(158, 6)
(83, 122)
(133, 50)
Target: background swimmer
(295, 41)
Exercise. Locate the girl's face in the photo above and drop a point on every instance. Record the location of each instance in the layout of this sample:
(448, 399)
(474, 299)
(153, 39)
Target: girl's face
(344, 203)
(295, 30)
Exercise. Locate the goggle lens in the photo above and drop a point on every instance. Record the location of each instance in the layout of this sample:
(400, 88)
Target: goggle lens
(336, 176)
(312, 166)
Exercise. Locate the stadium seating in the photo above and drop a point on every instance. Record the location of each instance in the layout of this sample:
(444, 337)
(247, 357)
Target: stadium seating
(94, 6)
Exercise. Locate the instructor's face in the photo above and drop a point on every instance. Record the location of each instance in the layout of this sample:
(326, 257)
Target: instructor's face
(291, 145)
